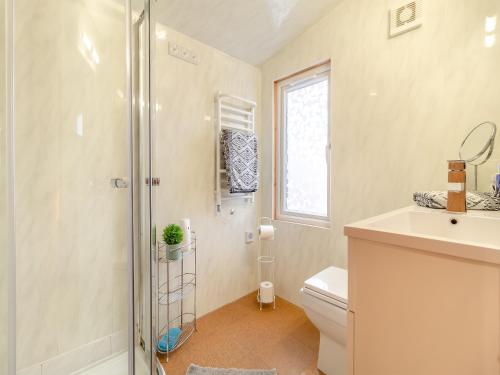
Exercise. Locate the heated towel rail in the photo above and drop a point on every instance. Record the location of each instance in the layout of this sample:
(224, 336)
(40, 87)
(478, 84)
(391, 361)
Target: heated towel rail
(232, 112)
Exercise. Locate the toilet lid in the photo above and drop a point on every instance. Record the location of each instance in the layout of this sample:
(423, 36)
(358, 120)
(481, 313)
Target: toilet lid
(331, 282)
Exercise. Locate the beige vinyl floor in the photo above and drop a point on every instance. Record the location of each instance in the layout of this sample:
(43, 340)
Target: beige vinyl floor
(238, 335)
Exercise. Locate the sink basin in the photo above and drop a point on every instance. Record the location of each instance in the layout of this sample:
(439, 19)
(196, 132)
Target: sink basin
(473, 235)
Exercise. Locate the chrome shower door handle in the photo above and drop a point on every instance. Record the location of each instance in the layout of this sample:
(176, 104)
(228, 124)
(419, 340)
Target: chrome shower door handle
(119, 183)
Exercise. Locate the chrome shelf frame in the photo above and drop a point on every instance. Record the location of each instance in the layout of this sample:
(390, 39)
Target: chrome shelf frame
(188, 328)
(182, 288)
(178, 287)
(184, 250)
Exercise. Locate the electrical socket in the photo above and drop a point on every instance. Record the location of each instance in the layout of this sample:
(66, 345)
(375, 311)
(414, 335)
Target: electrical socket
(249, 237)
(182, 53)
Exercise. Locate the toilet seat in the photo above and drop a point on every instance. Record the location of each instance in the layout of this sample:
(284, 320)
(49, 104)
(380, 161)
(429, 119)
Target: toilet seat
(330, 285)
(324, 298)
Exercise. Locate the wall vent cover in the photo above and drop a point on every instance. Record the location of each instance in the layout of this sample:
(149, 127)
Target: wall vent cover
(405, 18)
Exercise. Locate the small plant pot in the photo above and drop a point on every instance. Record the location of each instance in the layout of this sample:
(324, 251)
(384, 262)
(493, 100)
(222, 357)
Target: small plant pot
(173, 252)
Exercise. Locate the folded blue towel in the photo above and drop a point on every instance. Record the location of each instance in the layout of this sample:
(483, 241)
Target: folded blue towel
(172, 337)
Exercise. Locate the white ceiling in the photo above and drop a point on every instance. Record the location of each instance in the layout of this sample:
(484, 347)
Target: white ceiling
(250, 30)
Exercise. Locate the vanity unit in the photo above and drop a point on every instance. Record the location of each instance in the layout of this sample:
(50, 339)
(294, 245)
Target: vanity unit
(424, 293)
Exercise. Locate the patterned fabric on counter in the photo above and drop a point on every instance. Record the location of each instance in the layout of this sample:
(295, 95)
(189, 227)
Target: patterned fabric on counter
(475, 200)
(239, 150)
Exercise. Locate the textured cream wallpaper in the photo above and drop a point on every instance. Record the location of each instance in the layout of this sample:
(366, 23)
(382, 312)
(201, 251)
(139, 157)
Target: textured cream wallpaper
(400, 108)
(185, 142)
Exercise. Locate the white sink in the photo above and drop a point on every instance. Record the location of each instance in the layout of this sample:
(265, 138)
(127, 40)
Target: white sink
(474, 235)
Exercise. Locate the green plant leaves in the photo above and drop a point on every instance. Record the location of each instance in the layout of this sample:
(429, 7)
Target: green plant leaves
(173, 234)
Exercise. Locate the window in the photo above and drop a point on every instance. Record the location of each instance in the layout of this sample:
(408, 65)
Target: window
(302, 174)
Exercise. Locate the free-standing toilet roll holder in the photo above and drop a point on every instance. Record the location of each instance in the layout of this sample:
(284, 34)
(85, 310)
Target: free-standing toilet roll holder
(266, 263)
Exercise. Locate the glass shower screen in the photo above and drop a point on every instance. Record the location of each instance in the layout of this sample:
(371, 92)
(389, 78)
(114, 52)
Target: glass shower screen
(73, 204)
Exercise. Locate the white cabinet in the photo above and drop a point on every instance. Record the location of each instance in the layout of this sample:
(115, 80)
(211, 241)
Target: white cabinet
(417, 312)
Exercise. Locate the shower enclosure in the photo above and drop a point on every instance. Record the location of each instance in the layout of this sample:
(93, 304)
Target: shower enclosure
(76, 219)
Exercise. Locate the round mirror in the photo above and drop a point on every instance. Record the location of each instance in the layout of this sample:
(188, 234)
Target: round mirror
(477, 146)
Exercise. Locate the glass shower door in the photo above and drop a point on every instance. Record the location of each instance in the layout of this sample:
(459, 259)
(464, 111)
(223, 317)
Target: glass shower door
(73, 201)
(145, 241)
(143, 232)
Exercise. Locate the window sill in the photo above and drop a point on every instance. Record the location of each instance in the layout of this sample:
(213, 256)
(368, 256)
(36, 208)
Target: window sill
(305, 222)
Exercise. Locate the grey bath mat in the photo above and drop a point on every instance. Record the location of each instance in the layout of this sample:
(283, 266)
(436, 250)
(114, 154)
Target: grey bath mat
(197, 370)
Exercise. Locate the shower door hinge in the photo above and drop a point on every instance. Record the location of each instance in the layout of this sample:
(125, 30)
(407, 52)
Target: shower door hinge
(156, 181)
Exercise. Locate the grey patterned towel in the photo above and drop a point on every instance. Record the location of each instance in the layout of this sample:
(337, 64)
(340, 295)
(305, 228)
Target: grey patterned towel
(239, 150)
(475, 200)
(197, 370)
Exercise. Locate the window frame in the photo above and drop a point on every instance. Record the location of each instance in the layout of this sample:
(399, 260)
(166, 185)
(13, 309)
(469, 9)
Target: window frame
(304, 78)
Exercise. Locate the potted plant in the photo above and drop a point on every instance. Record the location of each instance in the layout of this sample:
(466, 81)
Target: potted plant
(173, 236)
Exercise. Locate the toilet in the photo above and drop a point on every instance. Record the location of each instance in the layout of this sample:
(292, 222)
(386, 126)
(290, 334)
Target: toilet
(324, 299)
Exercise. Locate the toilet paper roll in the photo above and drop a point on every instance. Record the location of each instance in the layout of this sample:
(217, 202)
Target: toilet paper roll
(266, 232)
(266, 292)
(185, 225)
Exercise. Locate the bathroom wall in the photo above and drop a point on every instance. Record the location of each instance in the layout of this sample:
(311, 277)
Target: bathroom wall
(185, 141)
(71, 138)
(400, 109)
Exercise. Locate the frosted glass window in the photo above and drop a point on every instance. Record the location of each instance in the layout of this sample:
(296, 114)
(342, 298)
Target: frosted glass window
(305, 148)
